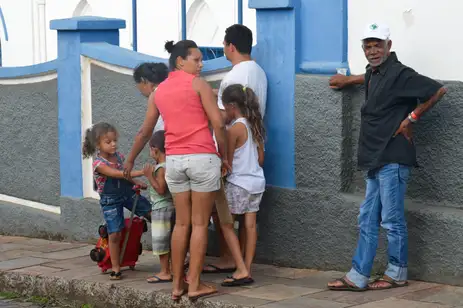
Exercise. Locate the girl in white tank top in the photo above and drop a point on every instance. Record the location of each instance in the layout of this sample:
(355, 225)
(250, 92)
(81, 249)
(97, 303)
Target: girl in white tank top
(246, 183)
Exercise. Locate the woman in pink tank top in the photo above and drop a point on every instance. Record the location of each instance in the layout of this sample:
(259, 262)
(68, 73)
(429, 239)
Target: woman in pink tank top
(193, 166)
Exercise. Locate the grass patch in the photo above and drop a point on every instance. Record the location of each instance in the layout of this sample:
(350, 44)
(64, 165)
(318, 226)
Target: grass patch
(86, 306)
(38, 300)
(9, 295)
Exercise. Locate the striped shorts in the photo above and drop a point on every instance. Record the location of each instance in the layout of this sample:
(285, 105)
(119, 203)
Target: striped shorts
(162, 224)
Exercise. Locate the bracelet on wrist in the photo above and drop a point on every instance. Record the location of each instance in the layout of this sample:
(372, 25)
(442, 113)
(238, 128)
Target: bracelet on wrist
(413, 117)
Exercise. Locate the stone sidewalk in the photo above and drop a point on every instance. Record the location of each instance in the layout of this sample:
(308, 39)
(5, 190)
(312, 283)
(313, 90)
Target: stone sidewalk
(64, 270)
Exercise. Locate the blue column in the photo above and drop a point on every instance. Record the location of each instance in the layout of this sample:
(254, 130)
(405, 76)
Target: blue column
(276, 51)
(71, 33)
(324, 36)
(183, 15)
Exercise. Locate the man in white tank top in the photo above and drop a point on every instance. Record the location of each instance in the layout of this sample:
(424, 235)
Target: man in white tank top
(237, 47)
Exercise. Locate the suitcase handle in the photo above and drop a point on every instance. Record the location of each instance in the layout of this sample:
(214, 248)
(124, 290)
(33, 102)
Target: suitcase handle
(137, 189)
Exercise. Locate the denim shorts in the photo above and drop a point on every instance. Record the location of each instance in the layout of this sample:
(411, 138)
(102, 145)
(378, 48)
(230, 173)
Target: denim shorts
(113, 210)
(193, 172)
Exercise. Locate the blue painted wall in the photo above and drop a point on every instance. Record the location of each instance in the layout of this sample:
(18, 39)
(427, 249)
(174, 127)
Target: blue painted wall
(276, 53)
(323, 44)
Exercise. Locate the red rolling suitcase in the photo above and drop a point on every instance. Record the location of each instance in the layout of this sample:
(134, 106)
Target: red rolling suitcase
(131, 246)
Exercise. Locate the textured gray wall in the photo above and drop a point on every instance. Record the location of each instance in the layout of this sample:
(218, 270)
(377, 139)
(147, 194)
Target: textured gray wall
(315, 225)
(29, 142)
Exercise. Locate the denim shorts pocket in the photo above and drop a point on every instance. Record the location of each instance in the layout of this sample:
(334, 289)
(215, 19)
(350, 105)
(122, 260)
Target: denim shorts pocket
(404, 173)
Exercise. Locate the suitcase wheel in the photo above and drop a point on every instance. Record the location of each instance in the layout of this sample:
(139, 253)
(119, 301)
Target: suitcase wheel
(97, 254)
(132, 268)
(140, 249)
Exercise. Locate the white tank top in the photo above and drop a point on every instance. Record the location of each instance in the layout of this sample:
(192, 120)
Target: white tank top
(246, 171)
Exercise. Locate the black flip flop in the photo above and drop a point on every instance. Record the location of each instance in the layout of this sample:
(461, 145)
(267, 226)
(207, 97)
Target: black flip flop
(237, 282)
(196, 297)
(159, 280)
(218, 270)
(115, 276)
(346, 287)
(392, 284)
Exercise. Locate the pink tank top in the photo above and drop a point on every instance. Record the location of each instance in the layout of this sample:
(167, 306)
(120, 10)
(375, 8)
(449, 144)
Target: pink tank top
(186, 124)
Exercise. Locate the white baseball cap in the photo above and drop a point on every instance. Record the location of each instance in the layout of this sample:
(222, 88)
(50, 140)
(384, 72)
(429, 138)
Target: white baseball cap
(377, 31)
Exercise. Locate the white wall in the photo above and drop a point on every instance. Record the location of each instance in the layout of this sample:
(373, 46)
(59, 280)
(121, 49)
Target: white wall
(426, 34)
(31, 41)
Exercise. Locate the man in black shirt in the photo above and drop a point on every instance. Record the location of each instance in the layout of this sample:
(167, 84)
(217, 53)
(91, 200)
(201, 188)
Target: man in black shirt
(395, 97)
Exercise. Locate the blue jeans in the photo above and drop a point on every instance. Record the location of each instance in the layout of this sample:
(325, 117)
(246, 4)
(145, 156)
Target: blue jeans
(113, 210)
(383, 205)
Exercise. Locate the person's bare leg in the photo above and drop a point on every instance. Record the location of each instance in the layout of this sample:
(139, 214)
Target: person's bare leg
(201, 212)
(165, 273)
(226, 260)
(179, 242)
(251, 238)
(242, 236)
(115, 250)
(235, 249)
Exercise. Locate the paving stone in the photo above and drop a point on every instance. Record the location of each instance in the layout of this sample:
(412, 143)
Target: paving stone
(68, 253)
(290, 273)
(302, 302)
(40, 245)
(15, 254)
(84, 261)
(12, 246)
(319, 280)
(10, 239)
(370, 296)
(77, 273)
(21, 262)
(238, 300)
(446, 295)
(400, 303)
(37, 270)
(276, 292)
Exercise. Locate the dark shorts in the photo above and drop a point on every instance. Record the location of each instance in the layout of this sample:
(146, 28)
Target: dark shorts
(113, 210)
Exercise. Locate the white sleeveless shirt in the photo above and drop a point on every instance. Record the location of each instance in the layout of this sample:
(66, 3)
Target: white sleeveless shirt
(246, 171)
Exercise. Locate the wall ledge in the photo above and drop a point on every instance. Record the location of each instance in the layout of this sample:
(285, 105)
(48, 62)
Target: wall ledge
(272, 4)
(28, 71)
(87, 23)
(322, 68)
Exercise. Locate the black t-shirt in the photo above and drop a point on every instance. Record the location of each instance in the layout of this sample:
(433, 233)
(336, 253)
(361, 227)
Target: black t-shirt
(392, 91)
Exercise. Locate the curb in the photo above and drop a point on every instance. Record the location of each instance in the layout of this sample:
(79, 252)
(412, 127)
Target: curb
(100, 295)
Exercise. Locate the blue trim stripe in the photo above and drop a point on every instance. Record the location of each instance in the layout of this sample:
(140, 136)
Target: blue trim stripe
(134, 26)
(183, 12)
(5, 31)
(240, 12)
(27, 71)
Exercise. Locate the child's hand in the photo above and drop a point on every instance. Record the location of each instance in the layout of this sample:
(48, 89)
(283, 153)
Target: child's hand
(148, 170)
(226, 168)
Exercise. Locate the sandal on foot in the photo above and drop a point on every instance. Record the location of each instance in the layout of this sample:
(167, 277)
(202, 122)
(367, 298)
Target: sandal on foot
(218, 270)
(156, 279)
(235, 282)
(391, 284)
(115, 276)
(177, 297)
(346, 286)
(196, 297)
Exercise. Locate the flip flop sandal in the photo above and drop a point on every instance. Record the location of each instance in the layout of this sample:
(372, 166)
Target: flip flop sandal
(196, 297)
(115, 276)
(177, 297)
(158, 280)
(234, 282)
(346, 287)
(392, 284)
(218, 270)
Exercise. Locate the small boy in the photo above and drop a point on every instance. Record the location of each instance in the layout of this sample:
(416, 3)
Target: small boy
(163, 211)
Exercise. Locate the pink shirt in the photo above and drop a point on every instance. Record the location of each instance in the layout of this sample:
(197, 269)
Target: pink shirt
(186, 124)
